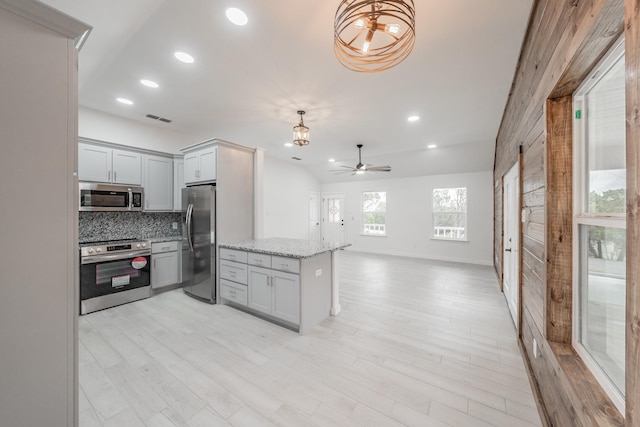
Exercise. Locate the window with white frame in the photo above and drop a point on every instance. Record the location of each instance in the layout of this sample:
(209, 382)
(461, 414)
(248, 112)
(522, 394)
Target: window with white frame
(450, 213)
(599, 283)
(374, 211)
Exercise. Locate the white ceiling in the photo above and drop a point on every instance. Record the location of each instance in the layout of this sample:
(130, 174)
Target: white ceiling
(248, 82)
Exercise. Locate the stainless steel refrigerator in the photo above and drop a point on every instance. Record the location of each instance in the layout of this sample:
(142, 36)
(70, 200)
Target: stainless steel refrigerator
(198, 242)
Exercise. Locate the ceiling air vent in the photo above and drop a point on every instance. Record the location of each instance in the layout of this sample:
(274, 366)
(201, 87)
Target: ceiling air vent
(296, 158)
(162, 119)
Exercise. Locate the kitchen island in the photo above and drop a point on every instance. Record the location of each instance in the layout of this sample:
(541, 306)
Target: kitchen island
(291, 282)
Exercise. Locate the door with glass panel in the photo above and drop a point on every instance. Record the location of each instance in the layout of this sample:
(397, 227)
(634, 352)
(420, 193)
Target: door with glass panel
(333, 229)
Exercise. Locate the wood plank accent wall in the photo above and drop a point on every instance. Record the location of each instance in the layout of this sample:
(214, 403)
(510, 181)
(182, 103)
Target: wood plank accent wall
(632, 65)
(565, 39)
(559, 218)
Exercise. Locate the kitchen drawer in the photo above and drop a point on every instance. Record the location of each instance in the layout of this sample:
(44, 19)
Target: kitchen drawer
(233, 255)
(159, 247)
(260, 260)
(233, 271)
(292, 265)
(233, 292)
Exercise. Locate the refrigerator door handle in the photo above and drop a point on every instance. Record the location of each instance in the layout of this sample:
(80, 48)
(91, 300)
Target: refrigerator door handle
(189, 226)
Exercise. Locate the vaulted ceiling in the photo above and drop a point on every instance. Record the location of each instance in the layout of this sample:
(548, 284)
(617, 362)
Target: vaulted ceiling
(247, 83)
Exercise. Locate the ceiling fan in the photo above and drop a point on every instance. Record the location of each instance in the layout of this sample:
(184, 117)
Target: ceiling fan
(361, 168)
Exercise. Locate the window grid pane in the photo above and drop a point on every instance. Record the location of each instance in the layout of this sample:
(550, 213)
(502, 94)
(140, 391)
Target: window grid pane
(605, 143)
(374, 207)
(450, 213)
(602, 285)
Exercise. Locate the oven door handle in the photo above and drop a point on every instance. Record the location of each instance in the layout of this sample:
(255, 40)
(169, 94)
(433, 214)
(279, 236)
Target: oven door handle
(189, 226)
(113, 257)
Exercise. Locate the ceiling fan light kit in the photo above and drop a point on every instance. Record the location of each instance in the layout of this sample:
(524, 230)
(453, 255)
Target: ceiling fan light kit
(361, 168)
(301, 132)
(373, 35)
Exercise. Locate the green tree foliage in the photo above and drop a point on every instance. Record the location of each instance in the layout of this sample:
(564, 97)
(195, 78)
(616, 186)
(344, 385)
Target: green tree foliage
(449, 207)
(607, 243)
(374, 206)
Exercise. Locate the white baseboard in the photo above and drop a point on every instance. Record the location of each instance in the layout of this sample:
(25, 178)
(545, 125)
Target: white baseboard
(424, 256)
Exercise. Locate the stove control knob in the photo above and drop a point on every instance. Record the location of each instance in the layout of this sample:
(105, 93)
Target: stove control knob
(144, 245)
(138, 246)
(98, 250)
(90, 250)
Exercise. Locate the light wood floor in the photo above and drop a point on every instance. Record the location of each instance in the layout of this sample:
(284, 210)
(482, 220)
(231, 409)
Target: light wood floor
(418, 343)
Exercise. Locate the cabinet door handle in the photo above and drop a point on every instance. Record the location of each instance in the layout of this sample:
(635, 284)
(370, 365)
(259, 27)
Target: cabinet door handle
(114, 176)
(108, 175)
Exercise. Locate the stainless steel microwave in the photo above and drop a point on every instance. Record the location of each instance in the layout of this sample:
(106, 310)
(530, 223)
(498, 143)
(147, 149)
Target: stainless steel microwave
(108, 197)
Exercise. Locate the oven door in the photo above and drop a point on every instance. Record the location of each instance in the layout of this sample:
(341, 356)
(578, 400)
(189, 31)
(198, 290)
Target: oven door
(110, 274)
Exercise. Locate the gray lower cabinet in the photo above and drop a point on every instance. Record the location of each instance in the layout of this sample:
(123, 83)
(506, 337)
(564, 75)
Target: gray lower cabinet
(164, 264)
(275, 293)
(286, 290)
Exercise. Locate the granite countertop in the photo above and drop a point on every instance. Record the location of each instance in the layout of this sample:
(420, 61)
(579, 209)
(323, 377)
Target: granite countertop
(294, 248)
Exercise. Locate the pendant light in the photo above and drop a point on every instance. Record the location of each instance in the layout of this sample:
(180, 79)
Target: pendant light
(301, 132)
(373, 35)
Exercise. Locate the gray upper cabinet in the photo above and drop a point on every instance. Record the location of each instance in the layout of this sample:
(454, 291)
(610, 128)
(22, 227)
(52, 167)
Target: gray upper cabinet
(178, 183)
(98, 163)
(200, 165)
(158, 183)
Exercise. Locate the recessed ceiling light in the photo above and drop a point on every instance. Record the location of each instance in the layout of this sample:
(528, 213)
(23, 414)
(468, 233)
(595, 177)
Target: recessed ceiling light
(125, 101)
(413, 118)
(288, 144)
(149, 83)
(332, 160)
(184, 57)
(236, 16)
(431, 146)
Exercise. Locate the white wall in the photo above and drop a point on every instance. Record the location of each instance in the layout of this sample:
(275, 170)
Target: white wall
(38, 215)
(286, 199)
(409, 222)
(105, 127)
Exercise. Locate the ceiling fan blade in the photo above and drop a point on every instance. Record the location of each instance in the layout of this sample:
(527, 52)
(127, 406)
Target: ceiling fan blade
(379, 169)
(338, 171)
(343, 166)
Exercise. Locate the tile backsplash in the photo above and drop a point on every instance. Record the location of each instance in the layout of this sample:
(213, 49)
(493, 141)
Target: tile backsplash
(98, 226)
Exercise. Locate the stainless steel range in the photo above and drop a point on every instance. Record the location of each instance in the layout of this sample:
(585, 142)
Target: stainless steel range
(114, 273)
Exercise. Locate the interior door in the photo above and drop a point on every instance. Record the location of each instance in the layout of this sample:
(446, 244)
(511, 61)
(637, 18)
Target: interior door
(333, 218)
(315, 231)
(511, 229)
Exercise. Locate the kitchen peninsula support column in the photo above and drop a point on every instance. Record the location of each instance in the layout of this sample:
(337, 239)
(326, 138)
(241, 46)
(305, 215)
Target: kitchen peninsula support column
(335, 283)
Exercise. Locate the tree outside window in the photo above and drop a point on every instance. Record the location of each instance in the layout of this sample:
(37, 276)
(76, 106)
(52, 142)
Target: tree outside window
(374, 209)
(450, 213)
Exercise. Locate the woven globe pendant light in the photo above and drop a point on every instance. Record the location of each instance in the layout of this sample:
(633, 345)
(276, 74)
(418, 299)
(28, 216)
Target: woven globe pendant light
(374, 35)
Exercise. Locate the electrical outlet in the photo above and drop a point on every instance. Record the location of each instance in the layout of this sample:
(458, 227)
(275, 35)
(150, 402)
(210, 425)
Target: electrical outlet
(318, 272)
